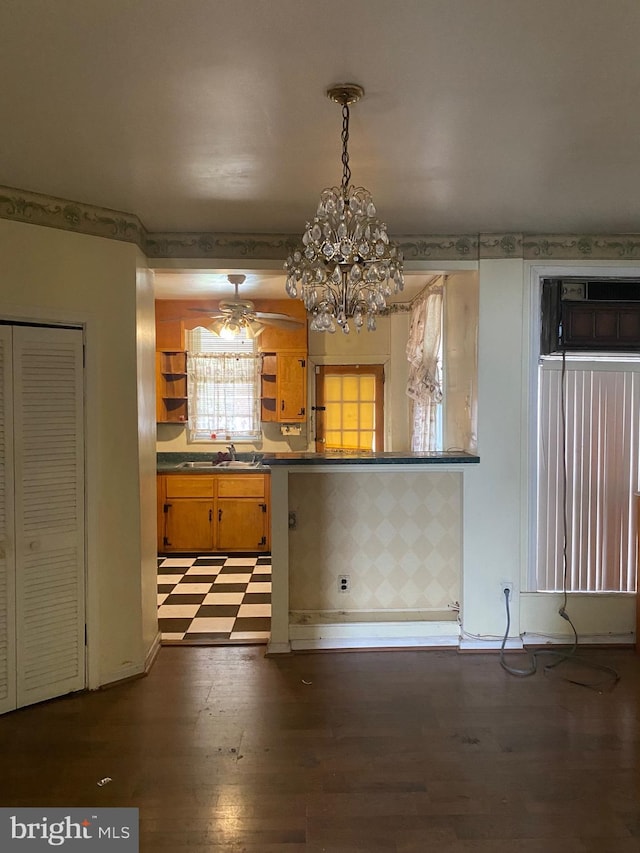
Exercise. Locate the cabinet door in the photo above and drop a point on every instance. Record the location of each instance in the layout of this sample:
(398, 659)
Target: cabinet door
(242, 525)
(292, 387)
(188, 525)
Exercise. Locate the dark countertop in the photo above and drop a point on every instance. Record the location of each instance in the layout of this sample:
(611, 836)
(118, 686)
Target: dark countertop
(384, 458)
(173, 462)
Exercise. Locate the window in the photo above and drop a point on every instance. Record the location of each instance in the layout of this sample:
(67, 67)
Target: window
(222, 386)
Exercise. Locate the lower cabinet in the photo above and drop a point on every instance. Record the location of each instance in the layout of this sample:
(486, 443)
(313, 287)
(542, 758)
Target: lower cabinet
(220, 512)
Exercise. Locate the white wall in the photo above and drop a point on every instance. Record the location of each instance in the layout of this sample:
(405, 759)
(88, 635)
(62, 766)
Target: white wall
(58, 276)
(493, 490)
(145, 345)
(499, 492)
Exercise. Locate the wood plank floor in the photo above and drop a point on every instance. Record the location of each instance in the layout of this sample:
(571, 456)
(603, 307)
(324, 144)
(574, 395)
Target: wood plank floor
(223, 749)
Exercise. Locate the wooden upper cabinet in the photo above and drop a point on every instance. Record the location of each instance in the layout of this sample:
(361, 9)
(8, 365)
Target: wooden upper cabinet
(291, 383)
(273, 339)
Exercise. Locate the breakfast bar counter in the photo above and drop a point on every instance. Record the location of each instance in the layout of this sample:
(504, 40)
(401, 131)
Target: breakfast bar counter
(366, 548)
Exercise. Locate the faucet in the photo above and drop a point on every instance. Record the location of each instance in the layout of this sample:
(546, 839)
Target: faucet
(232, 452)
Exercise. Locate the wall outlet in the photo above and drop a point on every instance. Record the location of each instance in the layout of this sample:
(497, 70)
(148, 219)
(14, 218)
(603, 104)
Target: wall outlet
(506, 585)
(344, 583)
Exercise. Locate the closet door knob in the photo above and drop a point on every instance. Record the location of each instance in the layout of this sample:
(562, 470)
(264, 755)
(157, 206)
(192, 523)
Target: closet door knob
(35, 545)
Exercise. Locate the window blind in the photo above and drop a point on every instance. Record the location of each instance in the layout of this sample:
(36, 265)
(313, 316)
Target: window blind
(602, 404)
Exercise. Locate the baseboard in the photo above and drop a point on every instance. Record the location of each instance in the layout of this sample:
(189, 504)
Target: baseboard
(372, 635)
(152, 654)
(127, 673)
(531, 639)
(477, 644)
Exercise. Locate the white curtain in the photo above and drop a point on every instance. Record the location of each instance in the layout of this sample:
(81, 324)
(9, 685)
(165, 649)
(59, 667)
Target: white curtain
(223, 390)
(424, 385)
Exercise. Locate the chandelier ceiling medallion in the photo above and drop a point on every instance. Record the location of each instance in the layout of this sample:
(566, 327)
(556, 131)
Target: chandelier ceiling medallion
(346, 267)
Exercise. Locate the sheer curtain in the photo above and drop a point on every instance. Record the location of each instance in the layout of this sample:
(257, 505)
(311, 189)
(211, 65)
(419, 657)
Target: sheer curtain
(223, 392)
(424, 385)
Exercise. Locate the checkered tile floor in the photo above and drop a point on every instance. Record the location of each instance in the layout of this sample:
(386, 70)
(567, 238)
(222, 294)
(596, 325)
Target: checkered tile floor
(214, 599)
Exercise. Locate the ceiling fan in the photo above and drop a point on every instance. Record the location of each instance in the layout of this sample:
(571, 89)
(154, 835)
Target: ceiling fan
(236, 314)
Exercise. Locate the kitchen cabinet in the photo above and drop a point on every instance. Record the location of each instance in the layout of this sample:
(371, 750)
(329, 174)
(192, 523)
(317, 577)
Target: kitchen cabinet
(242, 513)
(171, 386)
(188, 513)
(218, 512)
(284, 387)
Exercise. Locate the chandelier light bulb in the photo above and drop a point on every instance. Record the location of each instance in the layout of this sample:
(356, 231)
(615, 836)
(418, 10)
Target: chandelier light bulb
(346, 266)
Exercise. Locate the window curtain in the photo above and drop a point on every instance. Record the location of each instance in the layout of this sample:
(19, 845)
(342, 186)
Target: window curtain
(223, 393)
(424, 385)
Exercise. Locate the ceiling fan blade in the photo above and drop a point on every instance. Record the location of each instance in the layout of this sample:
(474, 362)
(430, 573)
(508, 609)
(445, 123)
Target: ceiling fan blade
(282, 321)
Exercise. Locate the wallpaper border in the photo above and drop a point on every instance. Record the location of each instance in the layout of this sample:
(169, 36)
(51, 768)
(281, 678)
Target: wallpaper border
(38, 209)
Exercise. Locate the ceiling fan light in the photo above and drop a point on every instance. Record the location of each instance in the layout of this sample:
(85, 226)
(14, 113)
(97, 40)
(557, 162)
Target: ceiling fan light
(230, 329)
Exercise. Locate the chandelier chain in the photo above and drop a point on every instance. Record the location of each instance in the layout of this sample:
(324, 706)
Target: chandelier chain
(346, 171)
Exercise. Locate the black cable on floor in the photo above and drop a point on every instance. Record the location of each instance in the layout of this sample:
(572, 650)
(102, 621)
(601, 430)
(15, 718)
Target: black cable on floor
(560, 656)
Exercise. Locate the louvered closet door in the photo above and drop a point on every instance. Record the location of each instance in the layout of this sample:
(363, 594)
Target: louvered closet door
(7, 551)
(49, 509)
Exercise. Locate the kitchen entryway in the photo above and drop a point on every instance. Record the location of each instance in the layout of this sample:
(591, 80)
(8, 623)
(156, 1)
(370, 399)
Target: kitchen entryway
(214, 599)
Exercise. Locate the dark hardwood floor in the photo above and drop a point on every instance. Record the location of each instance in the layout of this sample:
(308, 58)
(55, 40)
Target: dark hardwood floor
(223, 749)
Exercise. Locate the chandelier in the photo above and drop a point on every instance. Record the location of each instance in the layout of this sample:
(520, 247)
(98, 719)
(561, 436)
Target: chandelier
(347, 266)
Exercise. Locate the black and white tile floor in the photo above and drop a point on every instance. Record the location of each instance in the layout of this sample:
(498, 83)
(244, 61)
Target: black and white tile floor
(214, 599)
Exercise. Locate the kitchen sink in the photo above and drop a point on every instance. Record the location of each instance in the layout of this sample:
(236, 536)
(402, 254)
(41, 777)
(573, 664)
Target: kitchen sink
(229, 463)
(207, 464)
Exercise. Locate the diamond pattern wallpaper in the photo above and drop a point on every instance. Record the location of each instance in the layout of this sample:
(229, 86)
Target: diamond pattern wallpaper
(396, 535)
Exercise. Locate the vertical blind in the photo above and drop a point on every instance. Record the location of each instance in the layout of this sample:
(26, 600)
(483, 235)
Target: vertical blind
(602, 417)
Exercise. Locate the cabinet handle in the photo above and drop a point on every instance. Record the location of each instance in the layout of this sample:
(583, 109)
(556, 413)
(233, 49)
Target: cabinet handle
(282, 406)
(301, 412)
(219, 515)
(210, 515)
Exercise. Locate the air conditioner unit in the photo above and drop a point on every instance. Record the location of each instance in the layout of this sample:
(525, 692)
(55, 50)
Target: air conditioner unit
(590, 315)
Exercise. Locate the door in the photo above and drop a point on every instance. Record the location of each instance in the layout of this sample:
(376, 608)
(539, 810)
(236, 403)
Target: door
(7, 525)
(44, 575)
(350, 407)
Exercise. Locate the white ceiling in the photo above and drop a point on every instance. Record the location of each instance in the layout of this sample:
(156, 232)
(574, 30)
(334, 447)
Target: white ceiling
(211, 115)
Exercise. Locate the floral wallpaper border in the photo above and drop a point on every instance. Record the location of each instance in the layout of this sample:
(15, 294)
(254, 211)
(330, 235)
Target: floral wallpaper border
(38, 209)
